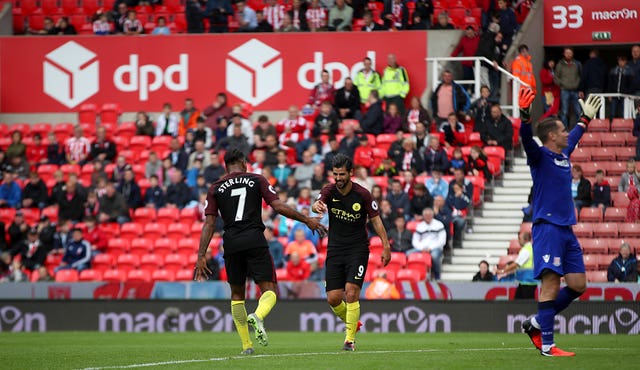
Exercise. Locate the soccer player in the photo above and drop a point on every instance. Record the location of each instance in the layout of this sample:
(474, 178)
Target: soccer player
(238, 198)
(556, 251)
(349, 205)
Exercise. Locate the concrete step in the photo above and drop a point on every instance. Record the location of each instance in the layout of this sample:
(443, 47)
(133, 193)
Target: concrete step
(520, 161)
(490, 229)
(497, 221)
(462, 268)
(503, 198)
(510, 191)
(500, 213)
(508, 206)
(457, 276)
(517, 176)
(487, 244)
(492, 237)
(484, 252)
(519, 183)
(474, 260)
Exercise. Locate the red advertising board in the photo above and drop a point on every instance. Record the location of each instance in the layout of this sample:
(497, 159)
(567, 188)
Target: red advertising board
(268, 71)
(570, 22)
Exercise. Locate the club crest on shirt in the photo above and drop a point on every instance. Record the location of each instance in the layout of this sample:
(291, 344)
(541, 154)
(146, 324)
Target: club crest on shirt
(356, 207)
(561, 163)
(546, 258)
(556, 261)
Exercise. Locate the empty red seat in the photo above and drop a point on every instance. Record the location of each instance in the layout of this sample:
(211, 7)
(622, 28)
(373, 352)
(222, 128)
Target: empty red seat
(615, 214)
(110, 112)
(164, 246)
(620, 199)
(604, 260)
(31, 215)
(144, 215)
(41, 129)
(114, 276)
(282, 274)
(160, 143)
(141, 246)
(102, 262)
(595, 246)
(90, 275)
(178, 230)
(591, 139)
(126, 129)
(420, 262)
(605, 230)
(139, 276)
(174, 261)
(620, 125)
(118, 246)
(155, 231)
(184, 275)
(375, 244)
(163, 275)
(168, 215)
(612, 139)
(398, 260)
(590, 262)
(67, 276)
(599, 125)
(189, 215)
(127, 262)
(624, 153)
(391, 274)
(408, 275)
(629, 230)
(187, 246)
(503, 260)
(151, 262)
(614, 168)
(131, 230)
(596, 276)
(603, 154)
(588, 214)
(589, 168)
(139, 143)
(70, 168)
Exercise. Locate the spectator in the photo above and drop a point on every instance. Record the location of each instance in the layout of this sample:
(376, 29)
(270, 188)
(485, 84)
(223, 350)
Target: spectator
(113, 206)
(435, 157)
(594, 75)
(77, 254)
(303, 247)
(46, 232)
(55, 153)
(486, 48)
(154, 196)
(373, 121)
(48, 28)
(274, 14)
(102, 149)
(636, 131)
(347, 101)
(194, 16)
(567, 77)
(481, 108)
(58, 187)
(449, 97)
(292, 129)
(409, 158)
(479, 163)
(200, 153)
(363, 156)
(367, 80)
(523, 268)
(399, 237)
(416, 114)
(161, 27)
(421, 138)
(297, 268)
(62, 237)
(287, 24)
(362, 177)
(550, 90)
(130, 190)
(498, 131)
(319, 180)
(369, 25)
(262, 130)
(153, 166)
(63, 27)
(465, 184)
(522, 68)
(304, 172)
(633, 209)
(118, 170)
(218, 12)
(238, 118)
(453, 130)
(178, 156)
(16, 149)
(484, 274)
(508, 22)
(78, 147)
(457, 160)
(188, 117)
(424, 8)
(459, 203)
(144, 125)
(92, 205)
(35, 193)
(468, 46)
(623, 267)
(10, 192)
(246, 17)
(340, 16)
(94, 236)
(132, 25)
(386, 168)
(14, 271)
(430, 236)
(17, 230)
(395, 15)
(323, 91)
(630, 177)
(442, 213)
(381, 288)
(167, 122)
(499, 53)
(601, 192)
(275, 248)
(263, 23)
(326, 122)
(392, 119)
(398, 199)
(443, 22)
(418, 23)
(580, 188)
(32, 252)
(421, 199)
(634, 63)
(298, 14)
(178, 193)
(236, 141)
(620, 82)
(218, 108)
(349, 142)
(394, 84)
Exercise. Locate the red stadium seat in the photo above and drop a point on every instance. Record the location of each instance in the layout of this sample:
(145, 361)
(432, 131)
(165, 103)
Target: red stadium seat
(178, 231)
(282, 274)
(164, 246)
(614, 168)
(114, 276)
(603, 261)
(590, 262)
(163, 275)
(624, 153)
(122, 143)
(102, 262)
(126, 129)
(151, 262)
(118, 246)
(612, 139)
(174, 262)
(184, 275)
(596, 276)
(29, 7)
(89, 6)
(67, 276)
(189, 215)
(615, 214)
(580, 155)
(90, 275)
(386, 138)
(110, 229)
(139, 276)
(70, 168)
(398, 261)
(168, 215)
(620, 125)
(41, 129)
(599, 125)
(375, 244)
(139, 143)
(7, 215)
(620, 199)
(144, 215)
(603, 154)
(502, 262)
(110, 112)
(419, 262)
(391, 274)
(187, 246)
(589, 168)
(588, 214)
(160, 143)
(594, 246)
(605, 230)
(31, 215)
(629, 230)
(155, 231)
(131, 230)
(591, 139)
(127, 262)
(408, 275)
(141, 246)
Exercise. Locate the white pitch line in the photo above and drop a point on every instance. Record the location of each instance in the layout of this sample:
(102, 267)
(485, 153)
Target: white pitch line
(306, 354)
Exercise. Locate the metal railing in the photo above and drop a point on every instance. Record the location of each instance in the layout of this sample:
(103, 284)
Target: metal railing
(629, 110)
(515, 87)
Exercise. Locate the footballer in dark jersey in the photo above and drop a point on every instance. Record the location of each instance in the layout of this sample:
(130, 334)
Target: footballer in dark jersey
(237, 198)
(349, 206)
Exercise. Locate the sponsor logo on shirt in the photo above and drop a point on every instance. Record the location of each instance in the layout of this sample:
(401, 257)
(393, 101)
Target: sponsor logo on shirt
(561, 163)
(546, 258)
(556, 261)
(344, 215)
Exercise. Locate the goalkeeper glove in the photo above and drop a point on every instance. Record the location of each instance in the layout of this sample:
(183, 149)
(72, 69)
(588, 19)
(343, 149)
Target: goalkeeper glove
(525, 98)
(590, 107)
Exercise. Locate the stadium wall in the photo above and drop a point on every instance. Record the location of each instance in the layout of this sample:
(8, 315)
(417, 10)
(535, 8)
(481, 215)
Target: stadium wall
(312, 316)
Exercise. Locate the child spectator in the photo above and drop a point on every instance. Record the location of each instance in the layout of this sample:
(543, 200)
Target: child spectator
(457, 160)
(92, 205)
(37, 152)
(77, 254)
(161, 28)
(154, 197)
(478, 163)
(451, 127)
(132, 25)
(94, 236)
(101, 25)
(601, 192)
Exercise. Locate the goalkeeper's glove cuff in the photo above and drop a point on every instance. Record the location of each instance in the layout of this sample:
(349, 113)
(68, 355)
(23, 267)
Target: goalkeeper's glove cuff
(525, 115)
(584, 120)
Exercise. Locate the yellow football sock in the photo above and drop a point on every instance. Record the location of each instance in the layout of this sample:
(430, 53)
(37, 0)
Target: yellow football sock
(265, 304)
(341, 311)
(239, 314)
(353, 315)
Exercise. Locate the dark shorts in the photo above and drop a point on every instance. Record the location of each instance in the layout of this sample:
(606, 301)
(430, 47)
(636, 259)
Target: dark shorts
(555, 248)
(255, 263)
(345, 267)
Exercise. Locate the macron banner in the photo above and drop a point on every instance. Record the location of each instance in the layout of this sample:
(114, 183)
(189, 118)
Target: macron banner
(570, 22)
(266, 71)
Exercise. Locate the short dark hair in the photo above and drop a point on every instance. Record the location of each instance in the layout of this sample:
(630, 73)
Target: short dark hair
(599, 171)
(234, 157)
(200, 119)
(341, 160)
(161, 18)
(522, 47)
(545, 127)
(485, 262)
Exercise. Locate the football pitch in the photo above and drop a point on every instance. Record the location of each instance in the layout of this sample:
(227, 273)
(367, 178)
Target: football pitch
(82, 350)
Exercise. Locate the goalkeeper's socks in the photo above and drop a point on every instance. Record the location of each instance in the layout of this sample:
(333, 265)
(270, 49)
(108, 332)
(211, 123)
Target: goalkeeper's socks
(239, 314)
(341, 311)
(353, 316)
(564, 299)
(265, 304)
(545, 318)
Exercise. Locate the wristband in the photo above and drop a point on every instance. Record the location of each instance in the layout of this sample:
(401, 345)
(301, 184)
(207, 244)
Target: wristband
(525, 115)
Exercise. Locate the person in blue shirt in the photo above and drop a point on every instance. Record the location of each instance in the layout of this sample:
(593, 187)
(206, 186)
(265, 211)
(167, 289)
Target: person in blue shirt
(161, 27)
(10, 192)
(77, 254)
(556, 251)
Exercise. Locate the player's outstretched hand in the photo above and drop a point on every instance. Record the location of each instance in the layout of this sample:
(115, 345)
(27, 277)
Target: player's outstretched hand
(202, 271)
(314, 224)
(320, 207)
(590, 107)
(525, 99)
(386, 257)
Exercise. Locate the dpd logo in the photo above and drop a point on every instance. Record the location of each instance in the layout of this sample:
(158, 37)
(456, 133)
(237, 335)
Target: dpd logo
(71, 74)
(254, 72)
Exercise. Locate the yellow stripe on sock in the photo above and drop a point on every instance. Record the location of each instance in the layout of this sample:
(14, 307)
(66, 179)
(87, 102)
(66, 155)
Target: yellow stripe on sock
(239, 314)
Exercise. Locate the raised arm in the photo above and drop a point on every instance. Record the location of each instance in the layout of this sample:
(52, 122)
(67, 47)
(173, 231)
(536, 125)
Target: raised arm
(589, 109)
(532, 149)
(378, 226)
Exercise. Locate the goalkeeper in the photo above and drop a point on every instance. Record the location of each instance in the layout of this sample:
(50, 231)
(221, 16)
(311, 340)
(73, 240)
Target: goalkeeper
(556, 251)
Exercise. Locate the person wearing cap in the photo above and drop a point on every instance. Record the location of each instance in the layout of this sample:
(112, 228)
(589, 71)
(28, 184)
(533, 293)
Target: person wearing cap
(77, 254)
(32, 251)
(10, 192)
(35, 193)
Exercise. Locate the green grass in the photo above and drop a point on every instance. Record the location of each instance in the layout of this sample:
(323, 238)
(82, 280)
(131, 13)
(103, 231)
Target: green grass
(75, 350)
